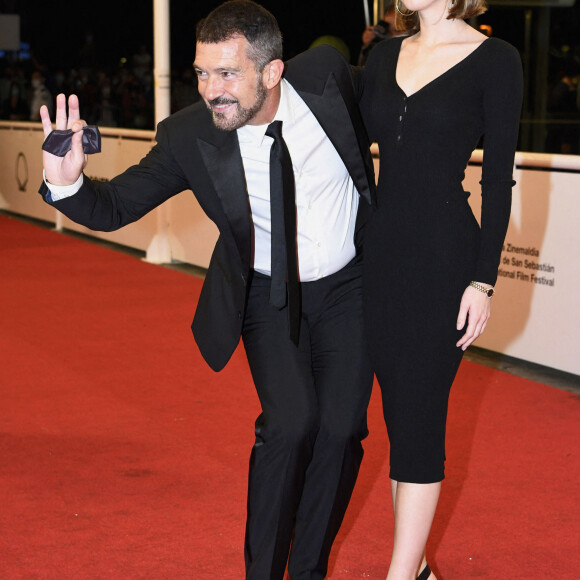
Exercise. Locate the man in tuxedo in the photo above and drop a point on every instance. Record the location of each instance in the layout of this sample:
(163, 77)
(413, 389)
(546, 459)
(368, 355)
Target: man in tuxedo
(306, 352)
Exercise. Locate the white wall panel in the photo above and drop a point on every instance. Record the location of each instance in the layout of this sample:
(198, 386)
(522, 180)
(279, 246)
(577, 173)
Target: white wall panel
(536, 313)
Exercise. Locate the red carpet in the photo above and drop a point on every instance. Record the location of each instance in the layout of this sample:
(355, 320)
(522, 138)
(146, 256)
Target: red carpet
(123, 456)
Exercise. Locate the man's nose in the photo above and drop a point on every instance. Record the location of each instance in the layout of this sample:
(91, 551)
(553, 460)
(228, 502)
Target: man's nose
(213, 88)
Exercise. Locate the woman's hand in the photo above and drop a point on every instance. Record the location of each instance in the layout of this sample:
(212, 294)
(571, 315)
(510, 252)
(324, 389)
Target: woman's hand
(475, 309)
(64, 170)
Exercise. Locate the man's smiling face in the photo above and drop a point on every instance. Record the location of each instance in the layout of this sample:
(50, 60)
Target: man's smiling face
(230, 85)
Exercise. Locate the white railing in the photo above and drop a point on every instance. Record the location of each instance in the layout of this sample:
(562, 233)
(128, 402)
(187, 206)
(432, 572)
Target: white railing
(523, 158)
(105, 131)
(536, 313)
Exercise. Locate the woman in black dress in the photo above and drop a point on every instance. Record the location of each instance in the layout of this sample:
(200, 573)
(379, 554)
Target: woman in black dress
(429, 267)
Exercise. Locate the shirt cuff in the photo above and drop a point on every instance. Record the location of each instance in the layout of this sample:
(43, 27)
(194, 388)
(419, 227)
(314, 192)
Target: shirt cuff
(58, 192)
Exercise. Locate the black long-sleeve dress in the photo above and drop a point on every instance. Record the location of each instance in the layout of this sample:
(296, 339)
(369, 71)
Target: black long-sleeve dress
(423, 245)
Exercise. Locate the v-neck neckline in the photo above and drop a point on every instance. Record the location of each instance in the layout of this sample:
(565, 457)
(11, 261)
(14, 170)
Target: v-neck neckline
(439, 77)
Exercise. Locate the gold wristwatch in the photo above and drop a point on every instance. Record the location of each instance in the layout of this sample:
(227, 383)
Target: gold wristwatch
(489, 292)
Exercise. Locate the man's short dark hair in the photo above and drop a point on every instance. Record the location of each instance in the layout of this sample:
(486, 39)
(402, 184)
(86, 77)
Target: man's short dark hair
(248, 19)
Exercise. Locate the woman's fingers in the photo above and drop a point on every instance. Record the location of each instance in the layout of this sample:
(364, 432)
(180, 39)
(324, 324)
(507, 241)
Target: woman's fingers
(476, 310)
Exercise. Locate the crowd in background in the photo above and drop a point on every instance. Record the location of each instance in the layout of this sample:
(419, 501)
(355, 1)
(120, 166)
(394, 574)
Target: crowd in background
(122, 95)
(563, 102)
(118, 96)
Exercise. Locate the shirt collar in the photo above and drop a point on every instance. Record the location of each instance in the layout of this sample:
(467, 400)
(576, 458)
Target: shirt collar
(255, 133)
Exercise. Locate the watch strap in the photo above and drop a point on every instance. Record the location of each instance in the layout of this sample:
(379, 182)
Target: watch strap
(489, 292)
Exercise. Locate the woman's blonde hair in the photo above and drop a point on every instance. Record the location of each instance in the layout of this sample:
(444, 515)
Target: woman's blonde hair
(461, 9)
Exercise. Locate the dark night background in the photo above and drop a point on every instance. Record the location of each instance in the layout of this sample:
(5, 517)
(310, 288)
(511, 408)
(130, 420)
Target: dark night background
(57, 31)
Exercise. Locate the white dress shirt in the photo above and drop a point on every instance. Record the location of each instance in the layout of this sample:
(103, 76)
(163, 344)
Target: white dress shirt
(326, 199)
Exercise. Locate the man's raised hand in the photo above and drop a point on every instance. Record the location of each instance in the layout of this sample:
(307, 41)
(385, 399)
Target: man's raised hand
(64, 170)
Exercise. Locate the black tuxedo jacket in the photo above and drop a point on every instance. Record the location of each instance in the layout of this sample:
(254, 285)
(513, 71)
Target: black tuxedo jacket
(191, 153)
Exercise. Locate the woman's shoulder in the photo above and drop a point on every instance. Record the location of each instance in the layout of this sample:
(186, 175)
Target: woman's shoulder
(501, 53)
(500, 68)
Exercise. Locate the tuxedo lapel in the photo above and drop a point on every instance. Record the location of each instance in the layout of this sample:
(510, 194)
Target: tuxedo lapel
(223, 162)
(331, 112)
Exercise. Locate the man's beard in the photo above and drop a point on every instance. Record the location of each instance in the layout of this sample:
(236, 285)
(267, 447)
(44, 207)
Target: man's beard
(241, 116)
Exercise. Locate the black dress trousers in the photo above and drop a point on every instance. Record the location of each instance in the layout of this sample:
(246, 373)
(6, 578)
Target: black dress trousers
(314, 397)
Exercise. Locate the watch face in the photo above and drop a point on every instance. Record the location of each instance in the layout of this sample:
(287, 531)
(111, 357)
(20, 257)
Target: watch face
(490, 292)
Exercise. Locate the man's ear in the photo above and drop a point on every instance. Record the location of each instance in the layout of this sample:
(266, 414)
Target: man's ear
(272, 73)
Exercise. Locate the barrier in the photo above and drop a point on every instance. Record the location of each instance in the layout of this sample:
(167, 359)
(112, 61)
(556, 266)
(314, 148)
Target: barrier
(177, 231)
(536, 314)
